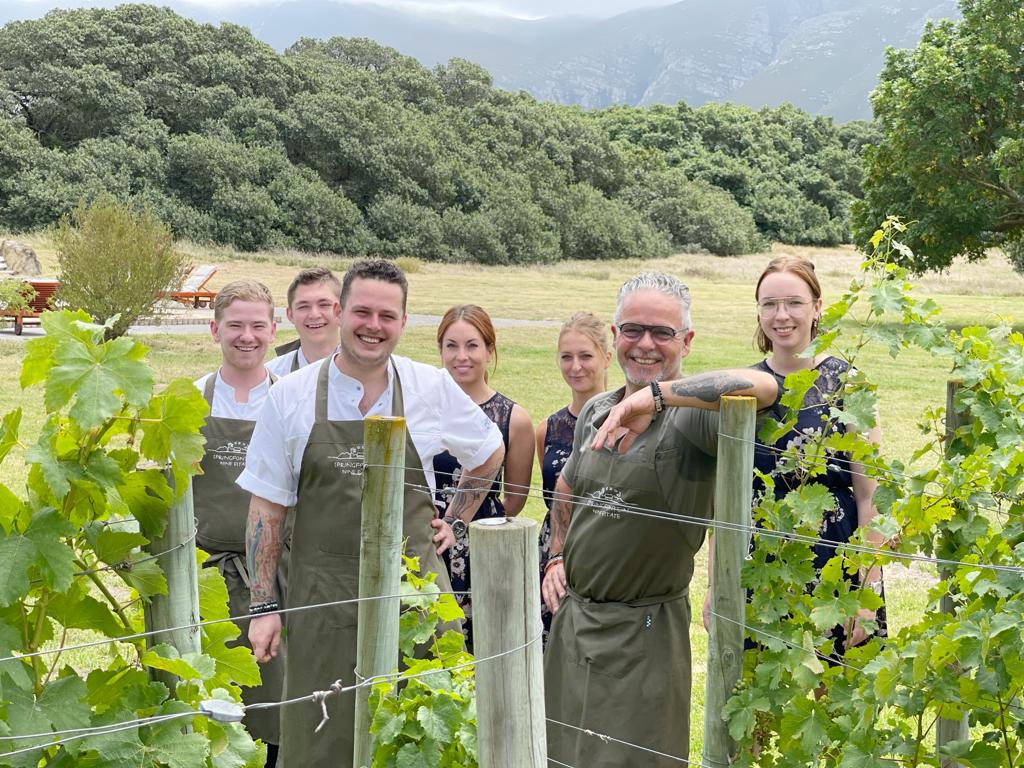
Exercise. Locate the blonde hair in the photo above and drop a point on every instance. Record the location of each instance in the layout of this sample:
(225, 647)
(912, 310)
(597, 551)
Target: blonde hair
(587, 324)
(245, 289)
(803, 269)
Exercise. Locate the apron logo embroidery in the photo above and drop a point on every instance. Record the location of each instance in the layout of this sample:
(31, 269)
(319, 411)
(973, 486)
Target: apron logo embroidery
(231, 454)
(349, 461)
(606, 502)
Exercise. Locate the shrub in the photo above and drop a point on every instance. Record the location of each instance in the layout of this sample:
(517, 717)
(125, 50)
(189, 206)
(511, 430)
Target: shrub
(115, 262)
(695, 214)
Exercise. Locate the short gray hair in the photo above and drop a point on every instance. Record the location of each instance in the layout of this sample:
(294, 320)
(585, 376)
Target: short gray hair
(657, 281)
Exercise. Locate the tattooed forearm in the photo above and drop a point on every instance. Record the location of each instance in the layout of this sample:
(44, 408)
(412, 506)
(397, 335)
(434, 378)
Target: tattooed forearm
(473, 487)
(263, 532)
(709, 387)
(561, 510)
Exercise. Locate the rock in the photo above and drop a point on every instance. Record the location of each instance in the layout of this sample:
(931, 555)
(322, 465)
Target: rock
(20, 258)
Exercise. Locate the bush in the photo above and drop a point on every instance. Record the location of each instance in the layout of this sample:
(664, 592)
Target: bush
(695, 214)
(115, 261)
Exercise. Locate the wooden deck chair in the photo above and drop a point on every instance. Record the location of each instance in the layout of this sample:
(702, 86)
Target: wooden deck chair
(193, 291)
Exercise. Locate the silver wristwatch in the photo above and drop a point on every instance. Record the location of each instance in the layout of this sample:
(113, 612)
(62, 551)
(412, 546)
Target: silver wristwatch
(459, 526)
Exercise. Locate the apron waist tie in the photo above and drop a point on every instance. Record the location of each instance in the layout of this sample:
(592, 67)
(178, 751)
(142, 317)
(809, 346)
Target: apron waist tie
(220, 560)
(638, 603)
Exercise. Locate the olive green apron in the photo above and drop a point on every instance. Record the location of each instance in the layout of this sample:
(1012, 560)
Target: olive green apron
(221, 509)
(324, 567)
(618, 658)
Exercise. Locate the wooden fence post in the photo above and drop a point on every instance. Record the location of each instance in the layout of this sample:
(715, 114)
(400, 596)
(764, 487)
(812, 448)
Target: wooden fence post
(506, 614)
(951, 730)
(180, 606)
(733, 494)
(380, 558)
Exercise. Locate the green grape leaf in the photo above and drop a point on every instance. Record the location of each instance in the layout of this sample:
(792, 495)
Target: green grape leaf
(78, 611)
(232, 747)
(233, 664)
(420, 755)
(191, 666)
(55, 558)
(10, 506)
(42, 458)
(213, 595)
(15, 671)
(95, 377)
(125, 688)
(447, 609)
(9, 432)
(170, 429)
(17, 553)
(144, 576)
(168, 746)
(114, 546)
(145, 495)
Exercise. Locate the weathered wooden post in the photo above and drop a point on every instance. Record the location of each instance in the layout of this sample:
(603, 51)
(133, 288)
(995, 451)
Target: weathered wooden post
(951, 730)
(180, 606)
(733, 494)
(380, 557)
(506, 615)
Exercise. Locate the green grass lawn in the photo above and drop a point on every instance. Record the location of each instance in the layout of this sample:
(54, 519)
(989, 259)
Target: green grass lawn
(724, 317)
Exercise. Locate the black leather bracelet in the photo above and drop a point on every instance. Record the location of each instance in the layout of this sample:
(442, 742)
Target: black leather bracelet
(659, 400)
(261, 608)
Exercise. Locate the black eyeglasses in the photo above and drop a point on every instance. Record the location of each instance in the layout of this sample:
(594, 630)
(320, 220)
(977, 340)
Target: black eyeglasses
(662, 334)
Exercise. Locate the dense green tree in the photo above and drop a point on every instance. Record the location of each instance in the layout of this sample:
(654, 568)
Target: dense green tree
(349, 146)
(951, 114)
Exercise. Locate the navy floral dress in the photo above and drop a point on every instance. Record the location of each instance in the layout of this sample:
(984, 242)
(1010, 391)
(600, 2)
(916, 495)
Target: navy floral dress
(838, 524)
(557, 448)
(447, 472)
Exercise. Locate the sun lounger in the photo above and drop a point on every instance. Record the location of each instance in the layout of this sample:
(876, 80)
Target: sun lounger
(193, 291)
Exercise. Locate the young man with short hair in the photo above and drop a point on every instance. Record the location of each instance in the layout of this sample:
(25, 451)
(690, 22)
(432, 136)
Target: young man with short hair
(306, 464)
(243, 326)
(314, 309)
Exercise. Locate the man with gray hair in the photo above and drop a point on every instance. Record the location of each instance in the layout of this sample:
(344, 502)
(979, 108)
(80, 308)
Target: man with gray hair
(617, 661)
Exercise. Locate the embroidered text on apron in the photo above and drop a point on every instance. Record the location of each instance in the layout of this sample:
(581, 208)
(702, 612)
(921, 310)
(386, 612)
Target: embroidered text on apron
(324, 567)
(618, 657)
(221, 509)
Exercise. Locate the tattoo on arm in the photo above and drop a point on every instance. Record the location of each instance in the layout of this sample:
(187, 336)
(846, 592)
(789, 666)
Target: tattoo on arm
(561, 509)
(709, 387)
(263, 532)
(473, 488)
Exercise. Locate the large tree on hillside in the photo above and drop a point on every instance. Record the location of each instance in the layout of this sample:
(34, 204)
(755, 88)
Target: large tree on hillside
(951, 159)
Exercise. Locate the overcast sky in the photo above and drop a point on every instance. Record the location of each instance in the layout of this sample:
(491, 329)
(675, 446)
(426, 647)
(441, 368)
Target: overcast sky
(519, 8)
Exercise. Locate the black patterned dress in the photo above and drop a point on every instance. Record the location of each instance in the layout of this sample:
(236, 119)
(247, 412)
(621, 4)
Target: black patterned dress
(557, 448)
(838, 524)
(447, 472)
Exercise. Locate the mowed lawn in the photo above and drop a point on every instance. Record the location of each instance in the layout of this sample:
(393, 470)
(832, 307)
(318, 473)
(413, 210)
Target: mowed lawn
(723, 315)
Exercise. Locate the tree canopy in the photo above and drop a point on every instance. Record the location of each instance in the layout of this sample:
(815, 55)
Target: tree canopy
(347, 146)
(951, 158)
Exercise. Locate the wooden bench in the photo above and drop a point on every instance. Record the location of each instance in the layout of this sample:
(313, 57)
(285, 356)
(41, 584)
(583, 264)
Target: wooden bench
(45, 290)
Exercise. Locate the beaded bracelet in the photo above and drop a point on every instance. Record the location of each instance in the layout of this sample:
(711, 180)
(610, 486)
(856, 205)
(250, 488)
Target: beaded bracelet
(659, 400)
(261, 608)
(552, 561)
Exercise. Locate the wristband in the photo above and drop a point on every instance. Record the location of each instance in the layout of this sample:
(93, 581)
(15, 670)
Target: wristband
(261, 608)
(553, 560)
(659, 401)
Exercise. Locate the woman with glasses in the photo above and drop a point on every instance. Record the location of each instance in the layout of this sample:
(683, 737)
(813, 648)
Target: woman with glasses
(583, 359)
(789, 309)
(468, 345)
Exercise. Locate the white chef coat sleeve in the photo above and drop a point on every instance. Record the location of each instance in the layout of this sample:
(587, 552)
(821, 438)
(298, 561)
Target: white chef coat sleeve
(269, 471)
(466, 432)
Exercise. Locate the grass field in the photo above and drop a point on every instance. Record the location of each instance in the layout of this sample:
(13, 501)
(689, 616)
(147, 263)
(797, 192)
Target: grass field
(723, 314)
